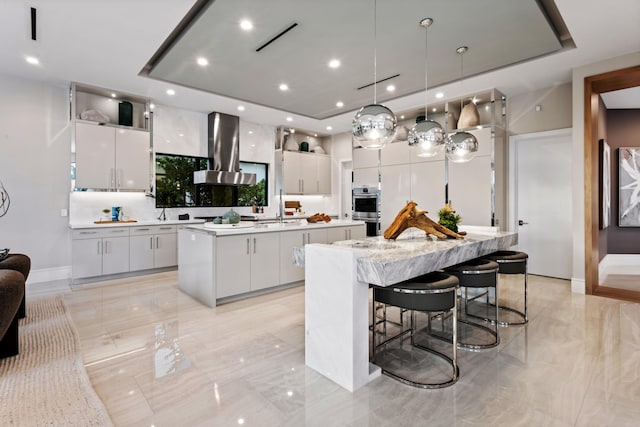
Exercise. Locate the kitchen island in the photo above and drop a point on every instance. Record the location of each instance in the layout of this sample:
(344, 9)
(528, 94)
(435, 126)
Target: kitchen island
(337, 279)
(220, 263)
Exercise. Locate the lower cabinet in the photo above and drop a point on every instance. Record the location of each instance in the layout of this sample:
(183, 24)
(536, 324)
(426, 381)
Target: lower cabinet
(153, 247)
(246, 263)
(99, 252)
(112, 250)
(289, 272)
(353, 232)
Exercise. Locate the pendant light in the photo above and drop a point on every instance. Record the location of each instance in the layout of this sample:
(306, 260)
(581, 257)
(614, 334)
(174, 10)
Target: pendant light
(374, 125)
(427, 135)
(462, 146)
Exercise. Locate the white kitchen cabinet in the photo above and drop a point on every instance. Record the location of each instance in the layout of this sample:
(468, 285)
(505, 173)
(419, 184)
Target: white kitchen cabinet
(397, 153)
(153, 247)
(98, 252)
(306, 173)
(353, 232)
(110, 158)
(288, 271)
(294, 239)
(265, 258)
(363, 158)
(246, 263)
(365, 177)
(233, 265)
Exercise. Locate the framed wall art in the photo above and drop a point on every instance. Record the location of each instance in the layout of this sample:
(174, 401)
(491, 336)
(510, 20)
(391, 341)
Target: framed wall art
(605, 184)
(629, 186)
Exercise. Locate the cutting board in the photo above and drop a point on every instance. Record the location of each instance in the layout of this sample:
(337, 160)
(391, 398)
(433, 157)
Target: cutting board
(115, 222)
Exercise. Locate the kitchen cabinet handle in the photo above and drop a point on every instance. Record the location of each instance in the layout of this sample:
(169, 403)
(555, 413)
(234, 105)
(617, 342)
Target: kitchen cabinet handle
(88, 232)
(142, 229)
(151, 243)
(118, 176)
(157, 242)
(308, 237)
(111, 178)
(99, 247)
(107, 250)
(254, 245)
(247, 246)
(318, 186)
(303, 238)
(165, 228)
(117, 231)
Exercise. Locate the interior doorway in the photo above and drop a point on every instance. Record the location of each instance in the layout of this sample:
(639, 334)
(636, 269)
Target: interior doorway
(540, 200)
(593, 87)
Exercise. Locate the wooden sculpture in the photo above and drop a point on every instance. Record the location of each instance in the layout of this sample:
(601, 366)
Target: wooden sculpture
(409, 217)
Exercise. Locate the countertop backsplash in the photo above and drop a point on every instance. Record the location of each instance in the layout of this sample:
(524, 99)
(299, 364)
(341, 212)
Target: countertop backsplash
(86, 207)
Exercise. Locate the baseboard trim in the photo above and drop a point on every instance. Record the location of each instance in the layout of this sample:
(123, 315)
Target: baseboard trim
(49, 274)
(577, 286)
(618, 264)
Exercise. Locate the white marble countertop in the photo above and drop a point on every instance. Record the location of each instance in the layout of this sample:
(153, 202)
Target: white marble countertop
(134, 224)
(287, 225)
(385, 262)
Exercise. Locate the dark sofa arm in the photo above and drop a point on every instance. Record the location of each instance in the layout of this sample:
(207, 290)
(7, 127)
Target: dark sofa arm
(11, 294)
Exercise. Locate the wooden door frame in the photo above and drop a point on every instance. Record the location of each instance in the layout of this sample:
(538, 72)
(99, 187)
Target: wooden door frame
(593, 86)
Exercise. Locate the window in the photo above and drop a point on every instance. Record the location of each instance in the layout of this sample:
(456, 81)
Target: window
(175, 187)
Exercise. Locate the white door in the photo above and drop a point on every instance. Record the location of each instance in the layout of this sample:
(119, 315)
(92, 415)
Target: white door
(141, 252)
(346, 197)
(95, 156)
(324, 174)
(233, 265)
(265, 259)
(166, 250)
(291, 183)
(541, 181)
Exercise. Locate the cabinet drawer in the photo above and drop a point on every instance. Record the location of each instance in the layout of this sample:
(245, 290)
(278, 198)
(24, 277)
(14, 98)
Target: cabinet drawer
(93, 233)
(153, 229)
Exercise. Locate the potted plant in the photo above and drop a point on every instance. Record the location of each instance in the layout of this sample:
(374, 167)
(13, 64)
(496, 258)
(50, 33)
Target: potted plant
(447, 217)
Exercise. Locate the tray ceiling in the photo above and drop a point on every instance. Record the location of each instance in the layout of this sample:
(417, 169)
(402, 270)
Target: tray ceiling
(498, 34)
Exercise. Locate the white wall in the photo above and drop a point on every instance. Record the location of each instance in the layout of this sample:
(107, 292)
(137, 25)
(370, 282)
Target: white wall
(555, 110)
(35, 156)
(579, 74)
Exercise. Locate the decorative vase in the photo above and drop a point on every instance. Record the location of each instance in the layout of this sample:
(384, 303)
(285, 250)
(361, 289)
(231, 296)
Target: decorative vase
(469, 116)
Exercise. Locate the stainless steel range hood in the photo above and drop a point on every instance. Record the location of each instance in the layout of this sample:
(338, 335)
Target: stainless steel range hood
(224, 153)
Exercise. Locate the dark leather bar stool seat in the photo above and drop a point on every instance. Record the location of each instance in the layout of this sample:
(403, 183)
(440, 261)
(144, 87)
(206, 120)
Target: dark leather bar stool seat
(478, 273)
(513, 262)
(431, 293)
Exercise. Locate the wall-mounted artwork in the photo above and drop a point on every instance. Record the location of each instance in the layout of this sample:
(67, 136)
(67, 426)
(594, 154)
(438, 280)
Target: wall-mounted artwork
(629, 186)
(605, 184)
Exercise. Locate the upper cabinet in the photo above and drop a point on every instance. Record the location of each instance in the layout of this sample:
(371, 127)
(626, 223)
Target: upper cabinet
(111, 140)
(305, 173)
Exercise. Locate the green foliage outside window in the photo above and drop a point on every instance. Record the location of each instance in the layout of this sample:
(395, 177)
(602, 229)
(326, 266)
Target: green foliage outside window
(175, 187)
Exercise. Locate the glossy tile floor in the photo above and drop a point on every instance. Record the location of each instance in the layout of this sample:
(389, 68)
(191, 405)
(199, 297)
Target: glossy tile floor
(156, 357)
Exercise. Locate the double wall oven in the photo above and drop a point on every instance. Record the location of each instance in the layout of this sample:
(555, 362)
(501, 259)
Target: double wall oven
(366, 207)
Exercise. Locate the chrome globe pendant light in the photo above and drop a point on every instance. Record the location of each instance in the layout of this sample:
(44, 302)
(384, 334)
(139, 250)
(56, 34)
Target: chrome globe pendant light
(374, 125)
(462, 146)
(427, 136)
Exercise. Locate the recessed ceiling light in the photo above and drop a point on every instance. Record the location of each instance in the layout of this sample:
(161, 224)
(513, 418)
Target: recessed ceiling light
(329, 128)
(171, 92)
(113, 95)
(32, 60)
(391, 88)
(292, 130)
(240, 107)
(434, 109)
(339, 104)
(284, 87)
(152, 106)
(439, 95)
(250, 132)
(475, 100)
(202, 61)
(181, 134)
(246, 25)
(315, 134)
(401, 117)
(334, 63)
(289, 119)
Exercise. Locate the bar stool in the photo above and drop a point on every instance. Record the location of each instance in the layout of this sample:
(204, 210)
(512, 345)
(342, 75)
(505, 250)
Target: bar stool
(477, 273)
(512, 262)
(431, 293)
